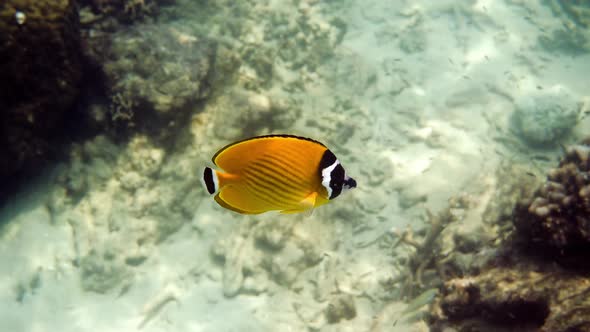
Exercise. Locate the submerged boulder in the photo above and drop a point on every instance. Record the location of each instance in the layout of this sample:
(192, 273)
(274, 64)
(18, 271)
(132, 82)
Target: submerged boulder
(543, 118)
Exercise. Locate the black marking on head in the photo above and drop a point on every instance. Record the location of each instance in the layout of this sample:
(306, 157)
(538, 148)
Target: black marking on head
(209, 180)
(328, 158)
(332, 174)
(336, 181)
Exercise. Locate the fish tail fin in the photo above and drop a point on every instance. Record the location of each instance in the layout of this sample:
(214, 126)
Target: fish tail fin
(214, 180)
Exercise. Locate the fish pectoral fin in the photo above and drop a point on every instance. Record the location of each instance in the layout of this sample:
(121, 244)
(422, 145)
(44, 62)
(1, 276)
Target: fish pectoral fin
(307, 204)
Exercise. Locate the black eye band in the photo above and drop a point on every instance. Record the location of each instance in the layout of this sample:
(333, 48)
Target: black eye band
(336, 181)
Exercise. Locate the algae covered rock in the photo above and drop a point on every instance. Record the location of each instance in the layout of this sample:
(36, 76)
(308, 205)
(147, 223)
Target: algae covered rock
(543, 118)
(157, 75)
(40, 76)
(125, 10)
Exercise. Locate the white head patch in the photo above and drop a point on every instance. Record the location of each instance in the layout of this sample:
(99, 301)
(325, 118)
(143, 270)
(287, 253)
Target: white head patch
(326, 176)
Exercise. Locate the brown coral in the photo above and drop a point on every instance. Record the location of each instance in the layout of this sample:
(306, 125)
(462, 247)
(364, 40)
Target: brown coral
(557, 218)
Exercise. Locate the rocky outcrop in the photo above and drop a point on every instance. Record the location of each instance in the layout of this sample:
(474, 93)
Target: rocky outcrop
(545, 118)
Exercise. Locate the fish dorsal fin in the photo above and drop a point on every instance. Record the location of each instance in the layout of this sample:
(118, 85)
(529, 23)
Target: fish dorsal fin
(234, 157)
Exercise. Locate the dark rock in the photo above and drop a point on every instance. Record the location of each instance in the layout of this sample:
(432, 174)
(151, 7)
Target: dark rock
(521, 297)
(40, 74)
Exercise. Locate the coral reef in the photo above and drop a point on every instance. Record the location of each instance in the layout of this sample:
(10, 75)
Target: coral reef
(543, 118)
(556, 218)
(40, 76)
(519, 286)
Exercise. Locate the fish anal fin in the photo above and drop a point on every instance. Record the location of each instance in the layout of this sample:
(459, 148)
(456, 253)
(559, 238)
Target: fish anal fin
(307, 204)
(221, 202)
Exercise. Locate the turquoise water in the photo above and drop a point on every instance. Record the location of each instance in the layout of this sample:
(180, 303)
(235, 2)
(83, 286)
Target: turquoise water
(441, 110)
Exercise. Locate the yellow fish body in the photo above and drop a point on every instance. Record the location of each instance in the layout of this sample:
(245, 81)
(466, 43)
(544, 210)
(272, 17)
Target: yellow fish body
(275, 172)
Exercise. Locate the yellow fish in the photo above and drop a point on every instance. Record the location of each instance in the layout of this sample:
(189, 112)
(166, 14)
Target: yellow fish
(275, 172)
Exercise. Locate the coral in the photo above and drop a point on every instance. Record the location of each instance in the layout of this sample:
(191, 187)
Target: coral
(515, 183)
(519, 286)
(543, 118)
(557, 218)
(40, 76)
(524, 297)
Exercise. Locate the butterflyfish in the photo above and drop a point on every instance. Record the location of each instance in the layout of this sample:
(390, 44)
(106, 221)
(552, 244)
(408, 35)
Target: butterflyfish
(287, 173)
